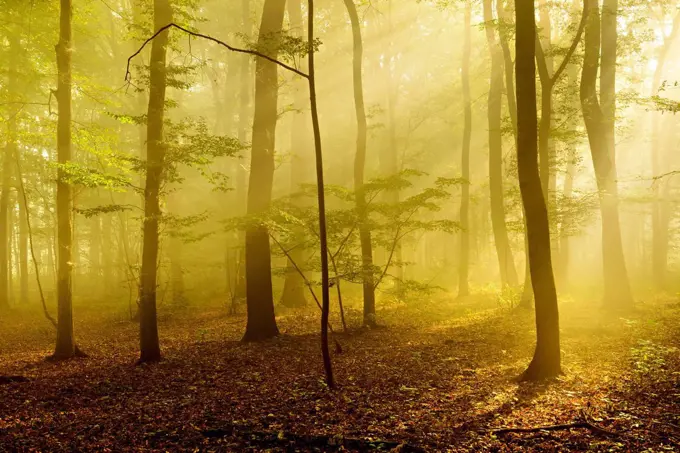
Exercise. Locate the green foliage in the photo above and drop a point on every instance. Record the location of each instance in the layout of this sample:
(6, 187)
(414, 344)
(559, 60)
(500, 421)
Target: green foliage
(104, 209)
(649, 357)
(293, 221)
(185, 227)
(77, 174)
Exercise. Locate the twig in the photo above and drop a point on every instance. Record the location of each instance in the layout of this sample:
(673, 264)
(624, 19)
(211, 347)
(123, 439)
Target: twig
(77, 351)
(309, 286)
(30, 240)
(584, 423)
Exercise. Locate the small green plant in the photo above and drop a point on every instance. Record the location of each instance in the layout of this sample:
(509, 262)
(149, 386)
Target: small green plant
(202, 334)
(509, 297)
(649, 357)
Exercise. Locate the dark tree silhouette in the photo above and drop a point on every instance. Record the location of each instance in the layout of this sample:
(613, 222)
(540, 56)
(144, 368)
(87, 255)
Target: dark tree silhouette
(260, 300)
(66, 346)
(155, 155)
(546, 360)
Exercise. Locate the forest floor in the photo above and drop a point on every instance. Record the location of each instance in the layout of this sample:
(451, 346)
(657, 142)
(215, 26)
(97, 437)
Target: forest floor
(438, 376)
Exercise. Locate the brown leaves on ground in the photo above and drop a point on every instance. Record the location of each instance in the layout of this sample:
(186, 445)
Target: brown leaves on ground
(438, 376)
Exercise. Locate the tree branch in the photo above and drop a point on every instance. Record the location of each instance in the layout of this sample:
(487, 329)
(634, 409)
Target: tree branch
(215, 40)
(574, 44)
(583, 423)
(338, 348)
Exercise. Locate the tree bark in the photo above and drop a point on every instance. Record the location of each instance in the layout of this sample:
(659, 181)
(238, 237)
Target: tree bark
(261, 323)
(150, 350)
(359, 167)
(4, 224)
(323, 252)
(23, 248)
(65, 347)
(241, 172)
(508, 65)
(294, 286)
(464, 259)
(500, 232)
(599, 122)
(546, 360)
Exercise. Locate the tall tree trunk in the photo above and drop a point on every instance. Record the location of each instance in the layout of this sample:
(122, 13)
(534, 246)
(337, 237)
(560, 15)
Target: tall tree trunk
(294, 286)
(392, 155)
(260, 303)
(659, 233)
(241, 172)
(108, 268)
(7, 157)
(546, 360)
(565, 249)
(500, 232)
(23, 247)
(545, 149)
(359, 167)
(11, 221)
(4, 225)
(323, 249)
(150, 350)
(95, 250)
(508, 65)
(65, 346)
(599, 122)
(175, 253)
(464, 259)
(505, 23)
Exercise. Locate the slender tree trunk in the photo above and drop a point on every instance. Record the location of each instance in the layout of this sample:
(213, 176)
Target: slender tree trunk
(599, 122)
(565, 249)
(359, 167)
(546, 360)
(260, 303)
(527, 296)
(23, 248)
(392, 155)
(95, 250)
(464, 263)
(4, 226)
(241, 171)
(12, 250)
(150, 350)
(65, 346)
(7, 156)
(175, 254)
(108, 268)
(545, 148)
(508, 65)
(659, 233)
(323, 252)
(294, 286)
(504, 253)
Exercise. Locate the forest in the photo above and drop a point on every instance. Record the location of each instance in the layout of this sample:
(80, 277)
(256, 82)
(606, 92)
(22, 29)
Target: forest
(339, 225)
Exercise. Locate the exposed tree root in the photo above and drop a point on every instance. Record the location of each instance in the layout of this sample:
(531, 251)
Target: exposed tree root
(280, 438)
(77, 354)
